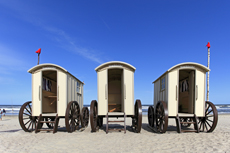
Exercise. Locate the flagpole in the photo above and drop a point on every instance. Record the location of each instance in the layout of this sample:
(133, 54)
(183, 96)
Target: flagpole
(38, 58)
(38, 52)
(208, 74)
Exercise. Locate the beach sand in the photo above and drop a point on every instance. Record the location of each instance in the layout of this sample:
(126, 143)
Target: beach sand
(14, 139)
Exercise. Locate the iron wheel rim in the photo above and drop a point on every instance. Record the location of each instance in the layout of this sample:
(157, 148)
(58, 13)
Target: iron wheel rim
(93, 115)
(209, 122)
(151, 116)
(137, 116)
(72, 116)
(161, 117)
(26, 120)
(85, 117)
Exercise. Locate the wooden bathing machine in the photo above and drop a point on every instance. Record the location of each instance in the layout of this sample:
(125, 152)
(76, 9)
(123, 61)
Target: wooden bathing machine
(180, 93)
(115, 85)
(56, 93)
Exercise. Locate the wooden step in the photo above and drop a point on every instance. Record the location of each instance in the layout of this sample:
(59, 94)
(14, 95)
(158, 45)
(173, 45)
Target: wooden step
(188, 130)
(45, 129)
(47, 121)
(115, 121)
(194, 122)
(116, 129)
(187, 122)
(55, 124)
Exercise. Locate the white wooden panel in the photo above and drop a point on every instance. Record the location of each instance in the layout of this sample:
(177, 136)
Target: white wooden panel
(62, 93)
(82, 95)
(102, 85)
(173, 89)
(73, 90)
(129, 92)
(166, 88)
(200, 93)
(191, 92)
(69, 88)
(156, 93)
(36, 93)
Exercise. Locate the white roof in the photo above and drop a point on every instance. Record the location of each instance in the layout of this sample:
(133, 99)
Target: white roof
(52, 66)
(186, 64)
(192, 64)
(40, 66)
(115, 63)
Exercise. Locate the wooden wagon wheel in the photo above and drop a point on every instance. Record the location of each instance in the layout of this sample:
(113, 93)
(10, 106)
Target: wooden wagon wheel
(26, 120)
(161, 117)
(209, 122)
(72, 116)
(137, 119)
(151, 116)
(185, 119)
(93, 115)
(50, 125)
(84, 117)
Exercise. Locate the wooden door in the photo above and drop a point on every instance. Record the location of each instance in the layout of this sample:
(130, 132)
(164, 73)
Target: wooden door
(191, 92)
(36, 93)
(128, 78)
(199, 93)
(102, 90)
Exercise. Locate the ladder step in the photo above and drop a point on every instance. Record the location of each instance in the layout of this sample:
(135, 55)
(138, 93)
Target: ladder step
(47, 121)
(187, 122)
(188, 130)
(115, 121)
(116, 129)
(45, 129)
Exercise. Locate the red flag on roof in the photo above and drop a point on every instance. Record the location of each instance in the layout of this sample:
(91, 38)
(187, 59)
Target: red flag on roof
(38, 51)
(208, 45)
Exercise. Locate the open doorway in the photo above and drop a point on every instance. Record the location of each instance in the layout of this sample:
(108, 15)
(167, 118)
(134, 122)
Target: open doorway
(186, 91)
(49, 91)
(115, 90)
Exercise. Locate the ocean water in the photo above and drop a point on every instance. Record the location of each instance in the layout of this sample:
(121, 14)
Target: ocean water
(14, 109)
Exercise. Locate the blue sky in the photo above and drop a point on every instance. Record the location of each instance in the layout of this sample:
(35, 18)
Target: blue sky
(80, 35)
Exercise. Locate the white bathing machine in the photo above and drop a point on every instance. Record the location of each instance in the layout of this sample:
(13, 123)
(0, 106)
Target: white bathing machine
(56, 93)
(115, 87)
(180, 93)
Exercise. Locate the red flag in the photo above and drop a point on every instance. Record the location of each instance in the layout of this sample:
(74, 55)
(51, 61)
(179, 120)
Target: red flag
(38, 51)
(208, 45)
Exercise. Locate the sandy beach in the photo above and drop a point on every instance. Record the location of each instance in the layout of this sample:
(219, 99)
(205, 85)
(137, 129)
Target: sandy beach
(14, 139)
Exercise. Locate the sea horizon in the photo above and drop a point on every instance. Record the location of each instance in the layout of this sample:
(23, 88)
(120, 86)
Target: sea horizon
(14, 109)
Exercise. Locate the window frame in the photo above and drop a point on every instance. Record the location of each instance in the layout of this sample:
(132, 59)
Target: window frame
(162, 84)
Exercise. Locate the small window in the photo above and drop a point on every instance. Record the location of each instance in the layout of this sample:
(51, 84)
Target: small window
(163, 83)
(78, 87)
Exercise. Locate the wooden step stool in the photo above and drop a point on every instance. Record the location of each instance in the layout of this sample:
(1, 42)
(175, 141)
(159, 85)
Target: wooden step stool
(114, 114)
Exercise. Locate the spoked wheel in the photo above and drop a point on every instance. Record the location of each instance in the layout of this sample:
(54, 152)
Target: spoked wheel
(93, 116)
(137, 119)
(72, 116)
(161, 117)
(85, 117)
(151, 116)
(100, 122)
(209, 122)
(50, 125)
(186, 119)
(26, 120)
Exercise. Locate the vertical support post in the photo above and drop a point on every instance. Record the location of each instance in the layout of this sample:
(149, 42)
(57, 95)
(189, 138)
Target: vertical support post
(208, 74)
